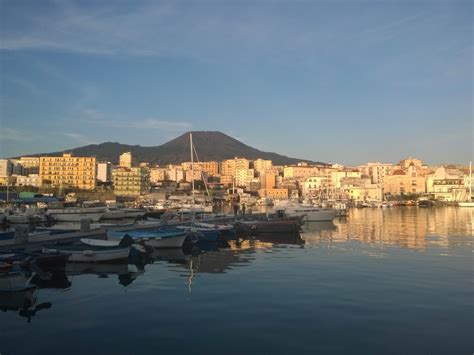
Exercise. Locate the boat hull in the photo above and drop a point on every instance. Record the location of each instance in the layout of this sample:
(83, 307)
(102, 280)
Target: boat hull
(466, 204)
(76, 217)
(91, 255)
(167, 242)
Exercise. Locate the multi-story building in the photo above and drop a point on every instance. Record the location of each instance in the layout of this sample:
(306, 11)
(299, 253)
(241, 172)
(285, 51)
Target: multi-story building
(244, 176)
(210, 167)
(300, 171)
(30, 165)
(267, 181)
(404, 182)
(447, 185)
(261, 165)
(230, 166)
(157, 174)
(376, 171)
(131, 181)
(315, 185)
(276, 194)
(5, 167)
(126, 160)
(30, 180)
(68, 171)
(104, 171)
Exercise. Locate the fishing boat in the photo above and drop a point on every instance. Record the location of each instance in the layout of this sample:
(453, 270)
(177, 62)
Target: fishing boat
(75, 214)
(156, 238)
(469, 202)
(15, 279)
(90, 254)
(44, 261)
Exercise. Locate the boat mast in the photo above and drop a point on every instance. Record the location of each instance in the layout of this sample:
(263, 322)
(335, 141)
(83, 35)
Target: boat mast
(470, 181)
(192, 165)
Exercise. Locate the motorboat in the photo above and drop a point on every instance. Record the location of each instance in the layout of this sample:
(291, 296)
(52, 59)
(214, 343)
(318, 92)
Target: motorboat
(76, 214)
(90, 254)
(307, 212)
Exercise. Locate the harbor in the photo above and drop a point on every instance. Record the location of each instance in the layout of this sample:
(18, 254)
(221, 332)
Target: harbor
(174, 297)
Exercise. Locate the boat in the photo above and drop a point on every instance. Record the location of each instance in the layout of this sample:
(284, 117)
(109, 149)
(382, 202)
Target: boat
(113, 213)
(469, 202)
(156, 238)
(195, 233)
(110, 243)
(308, 213)
(14, 280)
(90, 254)
(46, 262)
(76, 214)
(7, 237)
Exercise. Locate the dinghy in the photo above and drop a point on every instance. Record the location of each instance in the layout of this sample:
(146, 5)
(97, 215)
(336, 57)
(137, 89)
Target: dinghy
(90, 254)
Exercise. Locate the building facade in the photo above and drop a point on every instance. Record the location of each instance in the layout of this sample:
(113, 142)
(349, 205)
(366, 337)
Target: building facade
(68, 171)
(131, 181)
(126, 160)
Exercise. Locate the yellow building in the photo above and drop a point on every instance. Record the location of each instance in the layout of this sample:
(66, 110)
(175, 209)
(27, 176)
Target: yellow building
(125, 160)
(230, 166)
(260, 165)
(227, 180)
(278, 194)
(267, 181)
(210, 167)
(131, 181)
(29, 162)
(68, 171)
(300, 171)
(401, 182)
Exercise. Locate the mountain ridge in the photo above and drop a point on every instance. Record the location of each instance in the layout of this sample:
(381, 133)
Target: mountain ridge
(210, 145)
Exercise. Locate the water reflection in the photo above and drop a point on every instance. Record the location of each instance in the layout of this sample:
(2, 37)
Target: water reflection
(124, 272)
(413, 228)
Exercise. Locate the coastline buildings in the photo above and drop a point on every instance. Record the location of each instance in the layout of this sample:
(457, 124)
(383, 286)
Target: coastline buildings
(125, 160)
(104, 171)
(68, 171)
(131, 182)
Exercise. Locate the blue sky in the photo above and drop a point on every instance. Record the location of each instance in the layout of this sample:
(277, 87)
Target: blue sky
(342, 81)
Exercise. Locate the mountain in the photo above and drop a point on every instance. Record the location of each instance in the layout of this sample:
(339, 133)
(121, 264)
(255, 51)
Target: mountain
(210, 145)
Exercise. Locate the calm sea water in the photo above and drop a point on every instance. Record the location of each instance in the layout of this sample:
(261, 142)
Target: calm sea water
(395, 281)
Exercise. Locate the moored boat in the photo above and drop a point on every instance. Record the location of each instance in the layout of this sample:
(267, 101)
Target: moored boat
(76, 214)
(157, 238)
(90, 254)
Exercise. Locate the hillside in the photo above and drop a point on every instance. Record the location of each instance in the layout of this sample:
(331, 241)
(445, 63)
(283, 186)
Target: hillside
(210, 145)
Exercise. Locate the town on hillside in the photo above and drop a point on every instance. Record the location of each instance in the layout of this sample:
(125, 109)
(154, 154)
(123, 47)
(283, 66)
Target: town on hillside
(253, 181)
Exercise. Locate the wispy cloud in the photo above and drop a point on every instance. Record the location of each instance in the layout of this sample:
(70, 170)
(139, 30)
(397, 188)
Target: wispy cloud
(10, 134)
(79, 138)
(145, 124)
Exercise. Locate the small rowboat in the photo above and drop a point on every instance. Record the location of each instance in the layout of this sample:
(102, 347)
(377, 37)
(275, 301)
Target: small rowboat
(90, 254)
(109, 243)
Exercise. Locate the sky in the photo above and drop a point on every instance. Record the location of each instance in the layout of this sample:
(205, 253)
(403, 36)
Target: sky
(336, 81)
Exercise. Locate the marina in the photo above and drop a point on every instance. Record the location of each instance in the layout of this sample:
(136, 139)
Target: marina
(255, 286)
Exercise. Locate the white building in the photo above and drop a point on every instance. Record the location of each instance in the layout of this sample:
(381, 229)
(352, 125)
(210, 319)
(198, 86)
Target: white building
(104, 171)
(5, 167)
(30, 180)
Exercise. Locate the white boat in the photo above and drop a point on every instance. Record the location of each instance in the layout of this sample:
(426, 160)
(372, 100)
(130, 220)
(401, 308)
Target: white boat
(76, 214)
(469, 202)
(308, 213)
(166, 242)
(134, 212)
(89, 254)
(219, 227)
(15, 280)
(109, 243)
(113, 214)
